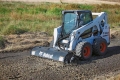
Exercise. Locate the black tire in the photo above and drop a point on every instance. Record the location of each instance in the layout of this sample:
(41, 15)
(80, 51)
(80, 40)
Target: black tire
(51, 43)
(84, 50)
(71, 58)
(100, 46)
(68, 58)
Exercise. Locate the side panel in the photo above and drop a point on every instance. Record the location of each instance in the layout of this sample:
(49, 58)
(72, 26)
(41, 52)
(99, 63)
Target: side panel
(57, 32)
(106, 33)
(73, 41)
(75, 35)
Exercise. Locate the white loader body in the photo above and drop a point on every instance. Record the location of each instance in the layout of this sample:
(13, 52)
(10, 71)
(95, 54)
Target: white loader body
(79, 35)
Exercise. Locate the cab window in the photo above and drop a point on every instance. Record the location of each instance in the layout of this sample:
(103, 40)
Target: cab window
(85, 18)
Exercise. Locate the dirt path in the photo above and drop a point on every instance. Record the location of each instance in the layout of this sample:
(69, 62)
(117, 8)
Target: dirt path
(70, 1)
(22, 66)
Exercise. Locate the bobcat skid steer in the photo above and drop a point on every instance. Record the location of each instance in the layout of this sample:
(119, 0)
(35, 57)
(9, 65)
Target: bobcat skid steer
(79, 35)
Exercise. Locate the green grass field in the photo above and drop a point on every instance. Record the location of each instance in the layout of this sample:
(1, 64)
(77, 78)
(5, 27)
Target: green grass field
(17, 18)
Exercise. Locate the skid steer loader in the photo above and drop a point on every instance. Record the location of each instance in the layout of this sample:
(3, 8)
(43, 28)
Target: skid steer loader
(79, 35)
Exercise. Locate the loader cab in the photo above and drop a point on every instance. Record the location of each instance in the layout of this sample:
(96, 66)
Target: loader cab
(73, 19)
(84, 18)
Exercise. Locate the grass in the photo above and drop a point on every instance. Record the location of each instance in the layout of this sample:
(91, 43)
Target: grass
(17, 18)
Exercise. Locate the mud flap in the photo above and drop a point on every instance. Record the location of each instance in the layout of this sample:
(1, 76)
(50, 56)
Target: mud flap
(50, 53)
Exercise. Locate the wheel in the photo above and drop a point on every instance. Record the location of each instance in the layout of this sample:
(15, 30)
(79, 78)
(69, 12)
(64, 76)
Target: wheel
(68, 58)
(51, 43)
(100, 46)
(84, 50)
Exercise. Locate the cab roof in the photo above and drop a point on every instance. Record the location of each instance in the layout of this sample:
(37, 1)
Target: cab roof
(78, 11)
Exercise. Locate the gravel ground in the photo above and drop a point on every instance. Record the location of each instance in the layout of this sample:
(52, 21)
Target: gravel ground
(22, 66)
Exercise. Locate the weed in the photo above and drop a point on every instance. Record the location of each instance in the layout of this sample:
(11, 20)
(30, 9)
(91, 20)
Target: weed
(56, 11)
(117, 12)
(2, 42)
(12, 29)
(86, 7)
(4, 10)
(40, 10)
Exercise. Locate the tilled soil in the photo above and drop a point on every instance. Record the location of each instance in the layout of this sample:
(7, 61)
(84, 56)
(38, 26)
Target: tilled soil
(20, 42)
(22, 66)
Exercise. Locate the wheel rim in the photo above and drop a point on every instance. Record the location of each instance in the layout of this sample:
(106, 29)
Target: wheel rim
(87, 51)
(102, 47)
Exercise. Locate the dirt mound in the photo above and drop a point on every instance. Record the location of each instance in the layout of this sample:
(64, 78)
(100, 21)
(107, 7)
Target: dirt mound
(114, 33)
